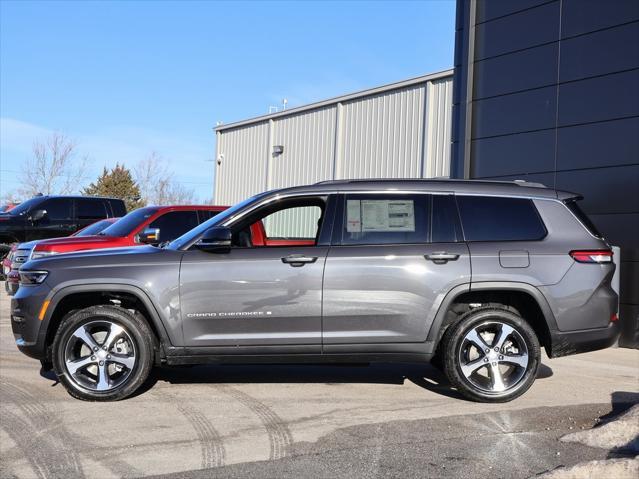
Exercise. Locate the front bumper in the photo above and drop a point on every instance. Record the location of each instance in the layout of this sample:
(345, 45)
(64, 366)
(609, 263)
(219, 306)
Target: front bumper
(11, 287)
(574, 342)
(28, 331)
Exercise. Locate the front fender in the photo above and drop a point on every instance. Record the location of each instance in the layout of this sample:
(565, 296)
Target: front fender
(168, 336)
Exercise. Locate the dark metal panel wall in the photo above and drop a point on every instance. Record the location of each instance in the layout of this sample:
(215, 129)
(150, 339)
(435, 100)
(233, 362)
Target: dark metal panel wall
(551, 89)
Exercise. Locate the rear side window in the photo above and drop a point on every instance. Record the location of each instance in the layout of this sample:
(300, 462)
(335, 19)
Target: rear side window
(90, 209)
(386, 219)
(118, 208)
(445, 226)
(174, 224)
(583, 218)
(500, 219)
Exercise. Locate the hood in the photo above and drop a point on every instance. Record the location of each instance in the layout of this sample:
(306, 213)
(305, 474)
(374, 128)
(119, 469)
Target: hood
(28, 244)
(79, 241)
(127, 256)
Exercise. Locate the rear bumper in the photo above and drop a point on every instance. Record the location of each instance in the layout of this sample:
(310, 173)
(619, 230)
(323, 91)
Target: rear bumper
(574, 342)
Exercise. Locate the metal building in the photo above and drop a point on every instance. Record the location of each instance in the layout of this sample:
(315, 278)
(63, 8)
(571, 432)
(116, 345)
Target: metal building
(397, 130)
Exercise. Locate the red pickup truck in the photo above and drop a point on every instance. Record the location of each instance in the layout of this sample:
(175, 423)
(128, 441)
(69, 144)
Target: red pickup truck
(148, 225)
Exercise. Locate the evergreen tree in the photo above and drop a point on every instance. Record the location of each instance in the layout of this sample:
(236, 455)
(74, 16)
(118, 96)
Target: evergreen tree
(117, 183)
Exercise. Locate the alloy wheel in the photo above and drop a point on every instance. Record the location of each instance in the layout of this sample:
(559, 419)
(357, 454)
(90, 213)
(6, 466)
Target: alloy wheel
(493, 357)
(100, 356)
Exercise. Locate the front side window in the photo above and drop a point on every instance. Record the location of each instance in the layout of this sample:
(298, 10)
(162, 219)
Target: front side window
(289, 222)
(385, 219)
(206, 215)
(58, 208)
(486, 218)
(299, 223)
(174, 224)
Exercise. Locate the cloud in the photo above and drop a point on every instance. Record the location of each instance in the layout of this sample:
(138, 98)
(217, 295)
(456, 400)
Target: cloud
(17, 136)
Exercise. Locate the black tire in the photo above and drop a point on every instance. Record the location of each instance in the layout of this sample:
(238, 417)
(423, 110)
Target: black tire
(137, 332)
(456, 346)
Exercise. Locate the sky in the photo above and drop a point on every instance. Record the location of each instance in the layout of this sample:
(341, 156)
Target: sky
(124, 79)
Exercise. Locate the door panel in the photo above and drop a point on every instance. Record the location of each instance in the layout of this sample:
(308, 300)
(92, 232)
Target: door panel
(58, 222)
(251, 297)
(387, 293)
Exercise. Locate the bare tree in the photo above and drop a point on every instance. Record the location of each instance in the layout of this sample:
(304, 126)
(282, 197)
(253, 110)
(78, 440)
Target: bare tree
(157, 184)
(53, 169)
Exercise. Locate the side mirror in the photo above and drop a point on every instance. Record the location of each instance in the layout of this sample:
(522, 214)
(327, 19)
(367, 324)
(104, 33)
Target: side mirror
(149, 236)
(37, 215)
(215, 240)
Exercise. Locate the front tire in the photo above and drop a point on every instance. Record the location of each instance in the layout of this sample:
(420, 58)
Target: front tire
(102, 353)
(491, 355)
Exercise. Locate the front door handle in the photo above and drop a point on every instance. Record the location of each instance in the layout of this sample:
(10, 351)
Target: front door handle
(441, 257)
(297, 260)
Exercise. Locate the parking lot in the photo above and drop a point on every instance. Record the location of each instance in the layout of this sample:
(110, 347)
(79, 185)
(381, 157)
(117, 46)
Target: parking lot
(282, 421)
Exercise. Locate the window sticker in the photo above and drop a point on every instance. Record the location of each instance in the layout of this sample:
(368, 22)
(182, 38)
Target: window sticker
(380, 216)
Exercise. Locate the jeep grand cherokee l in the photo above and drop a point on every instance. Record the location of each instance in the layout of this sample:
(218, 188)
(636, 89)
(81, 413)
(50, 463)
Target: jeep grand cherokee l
(475, 275)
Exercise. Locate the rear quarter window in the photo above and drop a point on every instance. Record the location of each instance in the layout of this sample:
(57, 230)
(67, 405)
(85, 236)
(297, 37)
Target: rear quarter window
(583, 218)
(500, 219)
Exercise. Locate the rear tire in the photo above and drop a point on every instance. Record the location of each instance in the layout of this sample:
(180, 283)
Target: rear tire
(491, 355)
(102, 353)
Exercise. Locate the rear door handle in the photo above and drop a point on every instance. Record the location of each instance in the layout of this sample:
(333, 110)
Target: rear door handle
(297, 260)
(441, 257)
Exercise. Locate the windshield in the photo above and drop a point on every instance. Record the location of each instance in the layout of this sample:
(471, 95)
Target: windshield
(191, 236)
(95, 228)
(127, 224)
(22, 208)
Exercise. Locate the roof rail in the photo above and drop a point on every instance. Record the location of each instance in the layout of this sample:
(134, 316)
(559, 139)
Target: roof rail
(442, 179)
(532, 184)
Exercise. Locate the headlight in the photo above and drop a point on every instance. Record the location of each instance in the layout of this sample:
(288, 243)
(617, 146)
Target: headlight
(41, 254)
(33, 277)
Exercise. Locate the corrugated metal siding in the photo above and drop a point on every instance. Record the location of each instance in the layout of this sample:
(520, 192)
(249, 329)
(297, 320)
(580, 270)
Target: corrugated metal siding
(392, 133)
(382, 136)
(241, 173)
(438, 129)
(309, 144)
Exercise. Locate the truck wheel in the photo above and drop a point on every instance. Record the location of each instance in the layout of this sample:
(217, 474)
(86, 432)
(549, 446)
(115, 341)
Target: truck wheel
(102, 353)
(491, 355)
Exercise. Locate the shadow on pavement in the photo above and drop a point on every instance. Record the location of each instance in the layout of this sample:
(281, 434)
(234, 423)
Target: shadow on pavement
(423, 375)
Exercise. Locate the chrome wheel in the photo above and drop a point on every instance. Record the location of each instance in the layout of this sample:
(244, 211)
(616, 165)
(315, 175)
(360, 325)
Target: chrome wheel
(100, 356)
(493, 357)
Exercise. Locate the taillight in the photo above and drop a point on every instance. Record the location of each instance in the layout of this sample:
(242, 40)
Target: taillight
(592, 256)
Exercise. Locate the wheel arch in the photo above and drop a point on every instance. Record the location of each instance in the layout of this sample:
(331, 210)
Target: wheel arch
(76, 297)
(524, 298)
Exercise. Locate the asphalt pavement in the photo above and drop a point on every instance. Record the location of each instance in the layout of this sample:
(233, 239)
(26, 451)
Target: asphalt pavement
(400, 420)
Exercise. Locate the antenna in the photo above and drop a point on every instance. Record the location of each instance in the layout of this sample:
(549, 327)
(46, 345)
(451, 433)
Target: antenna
(284, 103)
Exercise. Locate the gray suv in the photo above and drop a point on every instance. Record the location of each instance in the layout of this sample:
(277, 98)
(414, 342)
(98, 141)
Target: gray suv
(474, 276)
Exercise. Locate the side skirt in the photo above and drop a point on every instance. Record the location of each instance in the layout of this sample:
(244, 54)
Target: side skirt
(297, 358)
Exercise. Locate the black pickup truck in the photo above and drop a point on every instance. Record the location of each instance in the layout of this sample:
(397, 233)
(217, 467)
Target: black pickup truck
(44, 217)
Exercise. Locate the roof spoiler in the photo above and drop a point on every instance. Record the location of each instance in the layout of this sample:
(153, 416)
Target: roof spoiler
(569, 196)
